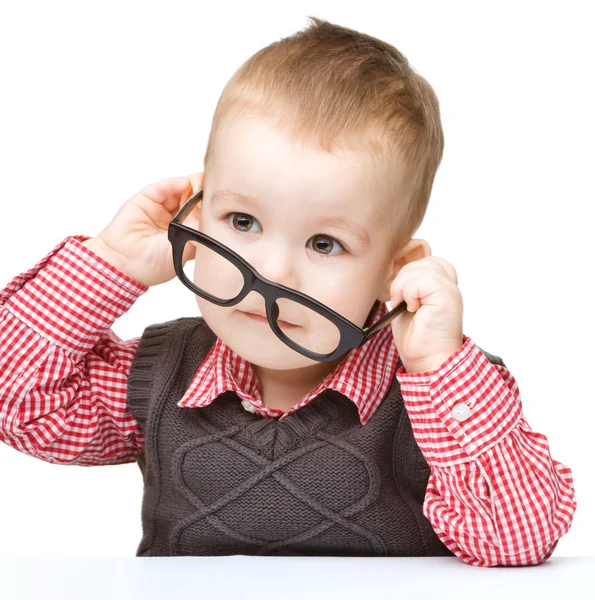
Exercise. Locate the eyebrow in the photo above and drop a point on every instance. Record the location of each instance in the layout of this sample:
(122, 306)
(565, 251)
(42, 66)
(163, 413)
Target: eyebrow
(359, 232)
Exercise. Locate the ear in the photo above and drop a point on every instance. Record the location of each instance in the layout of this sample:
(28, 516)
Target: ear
(414, 249)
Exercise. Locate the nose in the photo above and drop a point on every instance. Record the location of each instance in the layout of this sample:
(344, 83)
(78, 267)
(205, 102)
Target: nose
(278, 266)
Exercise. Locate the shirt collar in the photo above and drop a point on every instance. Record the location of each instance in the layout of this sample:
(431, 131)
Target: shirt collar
(363, 376)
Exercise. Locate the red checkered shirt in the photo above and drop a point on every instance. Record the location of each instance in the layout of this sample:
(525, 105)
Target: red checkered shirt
(494, 496)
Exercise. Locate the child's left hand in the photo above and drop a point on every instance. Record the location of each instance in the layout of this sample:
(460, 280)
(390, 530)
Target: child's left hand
(431, 329)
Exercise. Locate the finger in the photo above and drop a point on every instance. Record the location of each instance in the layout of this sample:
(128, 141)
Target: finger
(403, 276)
(415, 288)
(432, 263)
(423, 263)
(411, 296)
(169, 192)
(400, 291)
(444, 264)
(405, 294)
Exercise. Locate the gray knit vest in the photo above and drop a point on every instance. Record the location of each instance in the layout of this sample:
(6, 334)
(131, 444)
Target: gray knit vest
(220, 480)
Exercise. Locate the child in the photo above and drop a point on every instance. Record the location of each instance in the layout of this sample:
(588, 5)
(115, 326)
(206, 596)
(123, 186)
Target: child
(413, 443)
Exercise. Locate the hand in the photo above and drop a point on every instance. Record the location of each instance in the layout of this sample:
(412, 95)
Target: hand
(431, 329)
(136, 241)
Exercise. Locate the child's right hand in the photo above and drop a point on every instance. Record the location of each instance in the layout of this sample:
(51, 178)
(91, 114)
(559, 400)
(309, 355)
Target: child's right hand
(136, 242)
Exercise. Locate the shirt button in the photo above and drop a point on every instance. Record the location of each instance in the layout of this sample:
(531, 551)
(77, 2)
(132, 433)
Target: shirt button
(248, 406)
(461, 412)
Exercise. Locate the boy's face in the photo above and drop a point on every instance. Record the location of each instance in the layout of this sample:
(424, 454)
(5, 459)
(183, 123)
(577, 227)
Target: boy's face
(284, 235)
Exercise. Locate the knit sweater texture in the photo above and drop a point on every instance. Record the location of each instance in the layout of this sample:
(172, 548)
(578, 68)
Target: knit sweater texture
(220, 480)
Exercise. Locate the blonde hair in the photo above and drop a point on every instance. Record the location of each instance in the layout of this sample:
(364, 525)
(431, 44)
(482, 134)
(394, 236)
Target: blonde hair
(328, 85)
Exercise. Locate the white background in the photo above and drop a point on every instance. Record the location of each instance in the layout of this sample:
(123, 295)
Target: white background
(100, 99)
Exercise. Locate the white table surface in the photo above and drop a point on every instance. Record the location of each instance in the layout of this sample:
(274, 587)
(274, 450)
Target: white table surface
(281, 577)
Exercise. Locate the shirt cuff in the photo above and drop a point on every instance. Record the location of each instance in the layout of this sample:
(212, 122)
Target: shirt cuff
(71, 296)
(462, 408)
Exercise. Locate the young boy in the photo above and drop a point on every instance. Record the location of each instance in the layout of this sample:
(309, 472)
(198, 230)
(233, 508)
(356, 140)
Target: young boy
(318, 171)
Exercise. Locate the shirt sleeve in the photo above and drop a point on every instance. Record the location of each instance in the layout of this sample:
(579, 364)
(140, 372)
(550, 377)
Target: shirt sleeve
(495, 496)
(63, 371)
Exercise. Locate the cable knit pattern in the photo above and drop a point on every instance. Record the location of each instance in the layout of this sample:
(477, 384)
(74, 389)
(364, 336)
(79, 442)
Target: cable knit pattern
(221, 480)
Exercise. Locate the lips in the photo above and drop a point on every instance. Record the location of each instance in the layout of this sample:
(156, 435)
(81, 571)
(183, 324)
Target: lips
(258, 314)
(261, 318)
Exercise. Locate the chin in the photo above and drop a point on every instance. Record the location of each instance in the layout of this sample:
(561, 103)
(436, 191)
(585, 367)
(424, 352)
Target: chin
(266, 352)
(269, 357)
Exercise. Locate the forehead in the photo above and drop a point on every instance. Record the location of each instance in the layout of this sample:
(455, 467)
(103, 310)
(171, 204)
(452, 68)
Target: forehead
(253, 157)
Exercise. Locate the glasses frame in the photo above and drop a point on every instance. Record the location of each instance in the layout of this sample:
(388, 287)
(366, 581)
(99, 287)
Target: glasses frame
(351, 336)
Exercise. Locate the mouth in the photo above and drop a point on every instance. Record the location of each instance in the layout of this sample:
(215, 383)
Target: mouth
(259, 318)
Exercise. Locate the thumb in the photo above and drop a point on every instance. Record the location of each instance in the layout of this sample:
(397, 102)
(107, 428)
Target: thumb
(172, 192)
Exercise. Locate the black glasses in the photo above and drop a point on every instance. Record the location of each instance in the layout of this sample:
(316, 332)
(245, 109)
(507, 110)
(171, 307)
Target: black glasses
(348, 335)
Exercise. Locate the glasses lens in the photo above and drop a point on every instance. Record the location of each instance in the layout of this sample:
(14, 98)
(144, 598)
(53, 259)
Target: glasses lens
(307, 328)
(217, 276)
(211, 272)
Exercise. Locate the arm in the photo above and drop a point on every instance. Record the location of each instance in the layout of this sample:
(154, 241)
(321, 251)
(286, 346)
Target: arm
(495, 496)
(63, 371)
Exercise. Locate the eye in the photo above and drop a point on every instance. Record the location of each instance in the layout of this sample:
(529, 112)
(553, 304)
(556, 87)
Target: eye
(323, 244)
(242, 221)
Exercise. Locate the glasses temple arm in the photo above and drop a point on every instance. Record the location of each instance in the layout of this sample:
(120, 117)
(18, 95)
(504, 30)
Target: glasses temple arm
(188, 206)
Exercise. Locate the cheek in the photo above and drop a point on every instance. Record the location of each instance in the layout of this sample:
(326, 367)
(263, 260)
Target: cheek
(353, 305)
(216, 275)
(349, 292)
(210, 312)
